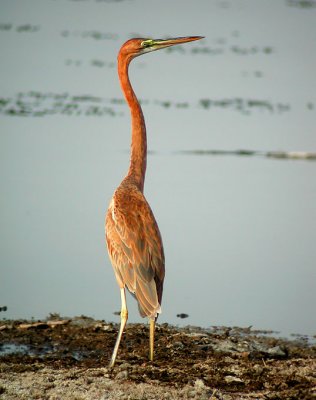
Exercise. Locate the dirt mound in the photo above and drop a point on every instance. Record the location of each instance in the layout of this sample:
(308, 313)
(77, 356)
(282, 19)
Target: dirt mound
(68, 358)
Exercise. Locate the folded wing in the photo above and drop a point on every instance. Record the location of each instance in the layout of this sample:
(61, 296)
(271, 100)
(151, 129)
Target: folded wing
(136, 251)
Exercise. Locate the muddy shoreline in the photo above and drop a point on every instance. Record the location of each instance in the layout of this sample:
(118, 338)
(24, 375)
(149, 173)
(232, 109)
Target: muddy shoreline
(67, 359)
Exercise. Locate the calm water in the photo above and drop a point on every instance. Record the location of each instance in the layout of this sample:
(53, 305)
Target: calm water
(239, 231)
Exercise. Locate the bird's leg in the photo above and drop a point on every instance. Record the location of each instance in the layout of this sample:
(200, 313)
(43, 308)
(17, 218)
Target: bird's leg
(151, 339)
(124, 316)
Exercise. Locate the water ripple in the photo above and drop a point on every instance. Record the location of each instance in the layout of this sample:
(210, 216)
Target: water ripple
(38, 104)
(285, 155)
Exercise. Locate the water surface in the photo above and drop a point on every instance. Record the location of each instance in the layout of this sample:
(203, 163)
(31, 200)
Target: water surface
(238, 230)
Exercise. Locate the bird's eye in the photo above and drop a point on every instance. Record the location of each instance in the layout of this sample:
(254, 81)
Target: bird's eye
(147, 43)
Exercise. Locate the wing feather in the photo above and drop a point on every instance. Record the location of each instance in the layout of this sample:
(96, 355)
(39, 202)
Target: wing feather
(135, 248)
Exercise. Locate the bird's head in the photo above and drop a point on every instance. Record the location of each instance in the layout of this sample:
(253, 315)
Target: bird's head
(138, 46)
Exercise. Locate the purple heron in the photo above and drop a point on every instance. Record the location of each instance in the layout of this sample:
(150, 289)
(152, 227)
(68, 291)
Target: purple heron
(132, 235)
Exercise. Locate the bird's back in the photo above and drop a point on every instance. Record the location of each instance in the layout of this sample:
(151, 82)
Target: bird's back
(135, 247)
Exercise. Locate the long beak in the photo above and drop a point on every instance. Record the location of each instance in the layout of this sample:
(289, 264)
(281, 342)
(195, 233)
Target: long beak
(157, 44)
(174, 41)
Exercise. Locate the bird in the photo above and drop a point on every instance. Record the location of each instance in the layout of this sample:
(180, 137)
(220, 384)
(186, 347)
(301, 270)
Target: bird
(132, 235)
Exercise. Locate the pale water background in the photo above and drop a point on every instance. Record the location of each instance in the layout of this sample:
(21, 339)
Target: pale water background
(239, 231)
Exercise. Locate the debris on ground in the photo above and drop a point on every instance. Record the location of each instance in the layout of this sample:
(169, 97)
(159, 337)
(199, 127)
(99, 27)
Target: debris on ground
(67, 358)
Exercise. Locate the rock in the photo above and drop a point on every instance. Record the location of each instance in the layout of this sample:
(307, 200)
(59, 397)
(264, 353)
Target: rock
(233, 379)
(277, 352)
(224, 346)
(54, 323)
(124, 366)
(178, 345)
(264, 349)
(199, 385)
(3, 327)
(197, 335)
(191, 394)
(122, 375)
(36, 325)
(258, 369)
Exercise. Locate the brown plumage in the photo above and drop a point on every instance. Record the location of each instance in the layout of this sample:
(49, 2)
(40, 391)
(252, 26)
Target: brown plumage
(132, 234)
(135, 247)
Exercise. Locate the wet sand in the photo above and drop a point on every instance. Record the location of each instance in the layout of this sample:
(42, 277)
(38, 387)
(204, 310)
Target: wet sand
(67, 359)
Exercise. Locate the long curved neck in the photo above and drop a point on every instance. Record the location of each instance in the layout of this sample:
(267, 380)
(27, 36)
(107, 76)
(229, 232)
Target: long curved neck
(137, 168)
